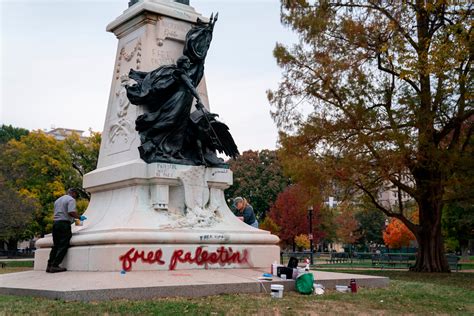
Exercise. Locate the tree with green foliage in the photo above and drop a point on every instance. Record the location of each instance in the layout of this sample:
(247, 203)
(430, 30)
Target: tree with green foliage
(371, 226)
(458, 212)
(84, 153)
(458, 225)
(40, 167)
(16, 214)
(258, 176)
(388, 88)
(8, 132)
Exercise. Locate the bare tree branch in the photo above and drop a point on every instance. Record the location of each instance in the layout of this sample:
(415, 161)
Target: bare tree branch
(387, 70)
(411, 226)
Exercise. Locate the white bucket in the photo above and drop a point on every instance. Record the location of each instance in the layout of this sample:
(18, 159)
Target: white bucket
(277, 290)
(342, 288)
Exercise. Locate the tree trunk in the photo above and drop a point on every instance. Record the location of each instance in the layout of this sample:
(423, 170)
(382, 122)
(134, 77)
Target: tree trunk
(430, 256)
(12, 245)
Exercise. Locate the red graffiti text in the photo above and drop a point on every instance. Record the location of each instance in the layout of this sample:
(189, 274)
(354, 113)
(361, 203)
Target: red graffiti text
(221, 256)
(133, 255)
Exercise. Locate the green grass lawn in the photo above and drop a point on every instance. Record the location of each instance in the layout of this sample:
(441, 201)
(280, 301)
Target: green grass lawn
(367, 264)
(321, 263)
(26, 264)
(408, 293)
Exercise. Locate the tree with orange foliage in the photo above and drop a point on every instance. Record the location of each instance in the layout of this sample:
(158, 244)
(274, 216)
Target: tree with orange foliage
(397, 235)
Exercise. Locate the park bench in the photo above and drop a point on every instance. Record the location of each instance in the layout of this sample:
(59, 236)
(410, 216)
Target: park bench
(338, 257)
(390, 260)
(453, 262)
(300, 255)
(363, 256)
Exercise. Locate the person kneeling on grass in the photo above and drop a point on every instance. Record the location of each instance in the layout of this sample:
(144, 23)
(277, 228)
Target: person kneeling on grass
(64, 215)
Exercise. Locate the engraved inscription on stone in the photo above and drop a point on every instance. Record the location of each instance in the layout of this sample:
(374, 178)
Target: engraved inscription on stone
(224, 171)
(166, 170)
(164, 57)
(169, 29)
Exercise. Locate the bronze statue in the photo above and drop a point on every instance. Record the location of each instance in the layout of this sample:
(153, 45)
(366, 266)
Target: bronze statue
(168, 131)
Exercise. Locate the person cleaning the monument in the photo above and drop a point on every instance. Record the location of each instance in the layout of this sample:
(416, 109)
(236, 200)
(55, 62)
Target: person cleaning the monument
(248, 215)
(64, 214)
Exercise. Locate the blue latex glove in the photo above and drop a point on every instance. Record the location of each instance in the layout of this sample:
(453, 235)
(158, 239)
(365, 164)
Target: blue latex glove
(82, 218)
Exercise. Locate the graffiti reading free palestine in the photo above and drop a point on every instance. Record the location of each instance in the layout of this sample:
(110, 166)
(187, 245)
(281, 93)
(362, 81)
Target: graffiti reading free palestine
(221, 256)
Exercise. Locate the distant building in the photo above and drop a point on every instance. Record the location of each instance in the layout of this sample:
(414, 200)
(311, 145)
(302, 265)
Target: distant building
(61, 133)
(388, 194)
(332, 202)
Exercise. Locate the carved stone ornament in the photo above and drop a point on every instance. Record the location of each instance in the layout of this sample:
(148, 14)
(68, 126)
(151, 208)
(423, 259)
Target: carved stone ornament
(127, 56)
(123, 128)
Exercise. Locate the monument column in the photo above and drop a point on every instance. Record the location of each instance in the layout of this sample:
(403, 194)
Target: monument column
(155, 216)
(151, 33)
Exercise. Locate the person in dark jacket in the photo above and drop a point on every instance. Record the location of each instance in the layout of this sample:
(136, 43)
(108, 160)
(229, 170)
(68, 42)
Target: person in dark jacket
(244, 208)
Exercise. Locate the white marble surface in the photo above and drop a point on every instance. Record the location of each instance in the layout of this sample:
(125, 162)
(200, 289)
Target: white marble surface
(108, 257)
(139, 285)
(160, 204)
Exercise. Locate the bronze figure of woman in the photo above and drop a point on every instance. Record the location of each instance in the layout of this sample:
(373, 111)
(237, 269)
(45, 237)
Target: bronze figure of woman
(167, 132)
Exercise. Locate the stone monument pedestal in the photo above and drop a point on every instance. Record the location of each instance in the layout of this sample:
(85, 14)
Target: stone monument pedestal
(161, 217)
(155, 216)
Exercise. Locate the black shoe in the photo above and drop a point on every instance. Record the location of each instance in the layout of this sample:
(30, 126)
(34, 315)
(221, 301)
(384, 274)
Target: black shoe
(56, 269)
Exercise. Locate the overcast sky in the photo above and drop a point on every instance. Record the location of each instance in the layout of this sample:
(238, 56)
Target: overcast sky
(57, 64)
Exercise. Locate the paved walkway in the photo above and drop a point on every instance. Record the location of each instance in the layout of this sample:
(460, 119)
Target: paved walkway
(93, 286)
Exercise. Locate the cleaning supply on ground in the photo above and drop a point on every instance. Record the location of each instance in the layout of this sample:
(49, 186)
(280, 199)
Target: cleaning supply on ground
(318, 289)
(304, 283)
(353, 286)
(274, 268)
(286, 271)
(307, 261)
(266, 277)
(277, 290)
(342, 288)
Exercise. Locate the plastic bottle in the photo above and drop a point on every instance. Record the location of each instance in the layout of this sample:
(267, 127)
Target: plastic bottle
(274, 268)
(353, 286)
(306, 268)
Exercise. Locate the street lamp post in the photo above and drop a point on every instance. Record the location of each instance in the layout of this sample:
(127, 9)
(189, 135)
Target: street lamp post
(310, 216)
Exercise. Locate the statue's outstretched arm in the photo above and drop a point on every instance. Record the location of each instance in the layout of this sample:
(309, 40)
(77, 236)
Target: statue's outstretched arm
(187, 81)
